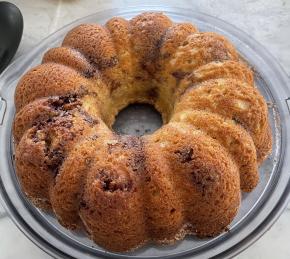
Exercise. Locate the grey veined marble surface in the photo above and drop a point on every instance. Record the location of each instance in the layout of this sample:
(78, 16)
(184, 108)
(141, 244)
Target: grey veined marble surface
(265, 20)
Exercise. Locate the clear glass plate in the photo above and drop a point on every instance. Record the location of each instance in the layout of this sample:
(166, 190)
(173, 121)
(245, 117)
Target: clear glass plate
(259, 209)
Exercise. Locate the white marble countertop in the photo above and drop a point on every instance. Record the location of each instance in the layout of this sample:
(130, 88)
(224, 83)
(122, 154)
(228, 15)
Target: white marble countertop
(268, 21)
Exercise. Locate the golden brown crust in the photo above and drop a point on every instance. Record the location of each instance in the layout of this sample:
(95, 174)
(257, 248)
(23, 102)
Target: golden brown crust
(94, 42)
(194, 51)
(67, 191)
(201, 48)
(174, 37)
(215, 70)
(34, 178)
(162, 203)
(126, 191)
(233, 137)
(206, 179)
(128, 68)
(147, 30)
(112, 202)
(49, 79)
(71, 58)
(235, 100)
(45, 145)
(42, 110)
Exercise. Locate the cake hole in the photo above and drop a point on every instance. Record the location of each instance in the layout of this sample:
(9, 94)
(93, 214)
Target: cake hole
(137, 120)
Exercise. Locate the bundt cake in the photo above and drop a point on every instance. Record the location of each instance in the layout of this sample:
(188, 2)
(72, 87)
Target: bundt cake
(125, 191)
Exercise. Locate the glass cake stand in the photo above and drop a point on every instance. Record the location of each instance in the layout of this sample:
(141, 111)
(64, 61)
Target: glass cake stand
(259, 209)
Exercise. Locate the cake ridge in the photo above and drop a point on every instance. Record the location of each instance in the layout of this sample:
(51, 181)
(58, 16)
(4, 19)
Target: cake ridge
(228, 134)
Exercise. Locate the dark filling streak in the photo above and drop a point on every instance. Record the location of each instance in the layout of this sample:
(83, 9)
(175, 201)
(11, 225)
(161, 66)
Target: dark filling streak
(185, 154)
(88, 118)
(160, 42)
(124, 142)
(90, 73)
(61, 119)
(153, 55)
(166, 55)
(80, 196)
(218, 51)
(114, 85)
(179, 75)
(103, 63)
(137, 160)
(111, 182)
(239, 122)
(83, 205)
(54, 156)
(153, 94)
(64, 103)
(202, 182)
(129, 142)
